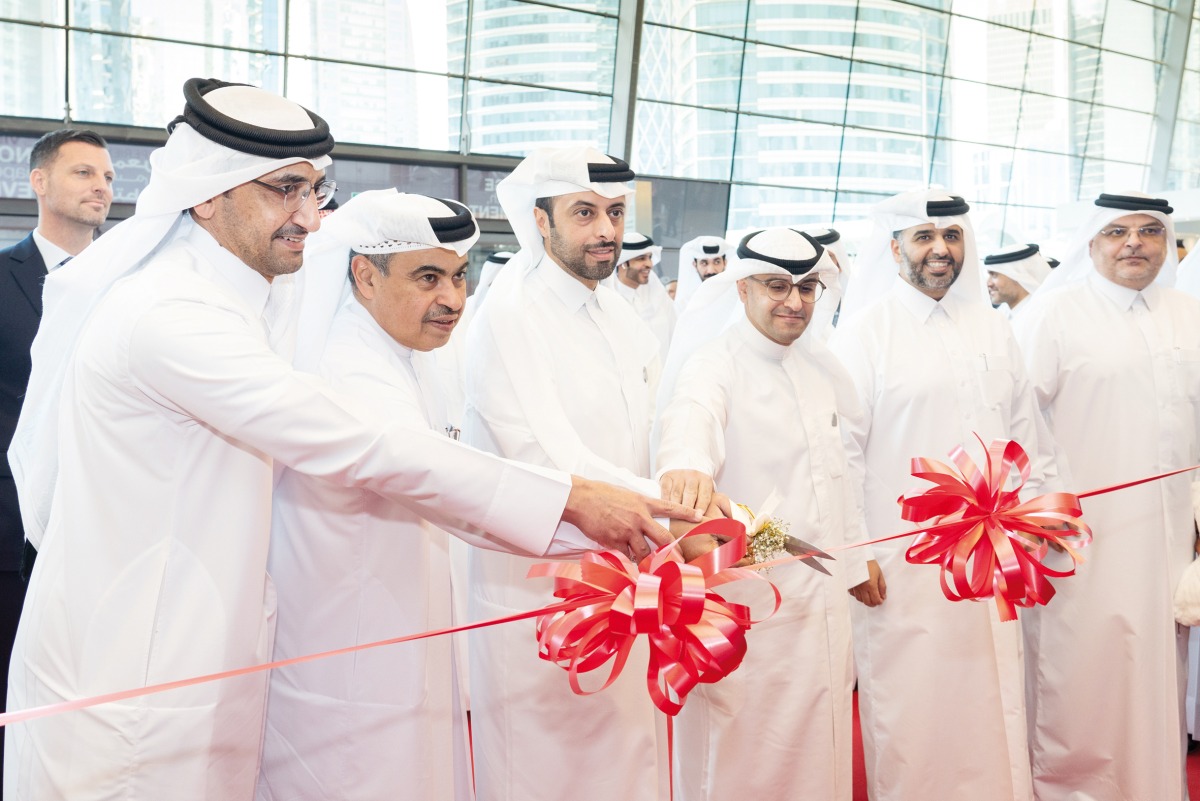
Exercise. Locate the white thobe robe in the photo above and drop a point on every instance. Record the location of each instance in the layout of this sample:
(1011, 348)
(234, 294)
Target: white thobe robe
(941, 690)
(1117, 374)
(534, 738)
(656, 309)
(351, 567)
(153, 567)
(763, 418)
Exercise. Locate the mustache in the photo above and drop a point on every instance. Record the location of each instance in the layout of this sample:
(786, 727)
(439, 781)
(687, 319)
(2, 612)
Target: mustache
(440, 311)
(292, 230)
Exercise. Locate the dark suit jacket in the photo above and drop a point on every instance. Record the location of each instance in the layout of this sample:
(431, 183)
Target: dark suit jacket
(21, 274)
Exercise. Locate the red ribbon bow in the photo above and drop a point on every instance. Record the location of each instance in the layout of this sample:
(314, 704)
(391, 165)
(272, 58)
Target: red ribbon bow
(979, 526)
(695, 635)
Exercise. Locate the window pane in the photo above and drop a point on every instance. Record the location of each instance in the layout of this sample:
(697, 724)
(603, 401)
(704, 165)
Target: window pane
(47, 11)
(38, 55)
(790, 84)
(686, 67)
(140, 82)
(403, 33)
(1136, 29)
(513, 41)
(1048, 69)
(481, 193)
(359, 176)
(228, 23)
(1189, 96)
(981, 113)
(979, 173)
(376, 106)
(1085, 21)
(1118, 134)
(1024, 224)
(1053, 123)
(851, 213)
(1193, 48)
(1043, 179)
(893, 99)
(987, 221)
(1105, 176)
(683, 142)
(513, 120)
(886, 163)
(788, 153)
(987, 53)
(601, 6)
(726, 17)
(1083, 66)
(679, 211)
(1127, 82)
(1185, 156)
(753, 207)
(896, 33)
(821, 27)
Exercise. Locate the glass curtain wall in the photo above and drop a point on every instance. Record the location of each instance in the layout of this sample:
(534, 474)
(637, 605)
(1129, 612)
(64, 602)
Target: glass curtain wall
(799, 111)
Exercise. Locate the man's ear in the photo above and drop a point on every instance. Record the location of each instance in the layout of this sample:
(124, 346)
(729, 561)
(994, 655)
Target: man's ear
(37, 180)
(205, 210)
(543, 222)
(896, 250)
(366, 276)
(743, 289)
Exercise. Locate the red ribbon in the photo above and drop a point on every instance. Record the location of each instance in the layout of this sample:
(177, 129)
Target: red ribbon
(695, 635)
(978, 539)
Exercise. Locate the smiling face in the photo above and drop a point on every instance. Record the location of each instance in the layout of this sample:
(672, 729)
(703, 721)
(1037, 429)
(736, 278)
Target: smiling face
(781, 321)
(75, 186)
(1002, 289)
(583, 234)
(930, 258)
(1132, 260)
(418, 298)
(636, 271)
(251, 223)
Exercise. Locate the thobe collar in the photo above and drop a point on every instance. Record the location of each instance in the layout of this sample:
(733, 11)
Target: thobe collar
(1124, 297)
(625, 291)
(573, 293)
(52, 254)
(758, 342)
(249, 285)
(921, 306)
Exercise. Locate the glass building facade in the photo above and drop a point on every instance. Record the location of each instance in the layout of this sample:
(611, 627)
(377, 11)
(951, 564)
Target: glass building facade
(741, 113)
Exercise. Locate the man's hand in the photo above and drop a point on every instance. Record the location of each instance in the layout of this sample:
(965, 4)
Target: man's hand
(688, 487)
(693, 547)
(873, 591)
(619, 518)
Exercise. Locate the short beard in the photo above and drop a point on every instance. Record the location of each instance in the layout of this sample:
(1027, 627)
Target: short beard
(917, 278)
(576, 260)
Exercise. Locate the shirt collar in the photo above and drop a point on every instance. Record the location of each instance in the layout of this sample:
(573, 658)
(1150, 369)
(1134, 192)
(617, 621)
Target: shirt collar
(920, 305)
(1123, 297)
(247, 284)
(571, 292)
(758, 342)
(52, 254)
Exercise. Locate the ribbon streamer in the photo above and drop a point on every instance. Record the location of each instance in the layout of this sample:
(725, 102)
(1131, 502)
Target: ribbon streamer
(695, 635)
(988, 543)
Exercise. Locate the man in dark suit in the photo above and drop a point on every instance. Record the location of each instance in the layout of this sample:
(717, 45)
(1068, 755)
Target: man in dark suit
(72, 175)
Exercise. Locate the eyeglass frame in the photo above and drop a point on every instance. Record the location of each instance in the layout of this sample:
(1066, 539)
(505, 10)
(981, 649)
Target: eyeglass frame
(284, 193)
(796, 286)
(1160, 231)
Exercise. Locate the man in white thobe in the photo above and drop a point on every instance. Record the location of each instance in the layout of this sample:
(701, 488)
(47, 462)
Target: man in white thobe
(699, 260)
(1012, 274)
(759, 408)
(351, 566)
(940, 683)
(158, 411)
(635, 281)
(1114, 356)
(560, 371)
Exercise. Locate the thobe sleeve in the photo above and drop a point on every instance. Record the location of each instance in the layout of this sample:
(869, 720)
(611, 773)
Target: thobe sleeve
(1040, 352)
(205, 363)
(848, 345)
(1029, 428)
(693, 423)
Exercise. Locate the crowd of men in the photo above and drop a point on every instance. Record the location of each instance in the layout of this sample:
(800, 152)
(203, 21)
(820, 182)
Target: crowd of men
(248, 431)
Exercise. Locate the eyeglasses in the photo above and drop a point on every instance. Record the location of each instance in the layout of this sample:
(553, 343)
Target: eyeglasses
(296, 193)
(1121, 234)
(780, 289)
